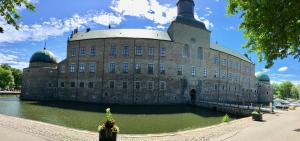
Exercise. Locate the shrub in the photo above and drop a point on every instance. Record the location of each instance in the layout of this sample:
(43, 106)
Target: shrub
(257, 115)
(292, 108)
(226, 118)
(108, 130)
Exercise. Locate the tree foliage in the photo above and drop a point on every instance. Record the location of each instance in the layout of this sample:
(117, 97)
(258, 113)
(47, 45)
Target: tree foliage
(295, 92)
(6, 78)
(271, 26)
(285, 90)
(9, 12)
(10, 77)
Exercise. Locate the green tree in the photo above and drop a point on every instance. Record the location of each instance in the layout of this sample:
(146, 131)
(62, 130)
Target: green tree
(285, 89)
(9, 12)
(276, 88)
(6, 78)
(295, 92)
(271, 26)
(17, 75)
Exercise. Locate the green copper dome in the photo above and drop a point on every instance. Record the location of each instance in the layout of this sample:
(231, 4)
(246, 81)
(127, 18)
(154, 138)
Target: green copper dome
(43, 56)
(261, 76)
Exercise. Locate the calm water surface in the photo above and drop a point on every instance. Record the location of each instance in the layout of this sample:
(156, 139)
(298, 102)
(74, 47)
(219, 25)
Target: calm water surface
(130, 119)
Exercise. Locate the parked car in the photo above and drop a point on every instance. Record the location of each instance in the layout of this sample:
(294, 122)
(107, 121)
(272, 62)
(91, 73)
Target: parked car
(281, 104)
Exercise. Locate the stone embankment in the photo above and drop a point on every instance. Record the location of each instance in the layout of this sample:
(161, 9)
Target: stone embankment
(224, 131)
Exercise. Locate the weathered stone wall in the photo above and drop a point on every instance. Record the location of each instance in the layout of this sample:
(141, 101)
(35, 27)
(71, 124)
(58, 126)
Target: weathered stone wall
(39, 83)
(207, 86)
(265, 92)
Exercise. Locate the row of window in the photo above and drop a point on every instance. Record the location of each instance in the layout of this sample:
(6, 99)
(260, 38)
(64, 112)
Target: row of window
(138, 70)
(112, 85)
(235, 88)
(230, 64)
(113, 51)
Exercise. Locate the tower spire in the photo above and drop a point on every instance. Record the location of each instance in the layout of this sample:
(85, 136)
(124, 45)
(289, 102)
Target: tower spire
(185, 8)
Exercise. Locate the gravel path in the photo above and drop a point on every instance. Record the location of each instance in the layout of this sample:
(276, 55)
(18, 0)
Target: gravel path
(50, 132)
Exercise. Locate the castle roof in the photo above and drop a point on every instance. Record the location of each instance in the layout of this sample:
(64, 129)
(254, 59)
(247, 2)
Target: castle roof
(230, 51)
(262, 76)
(122, 33)
(44, 56)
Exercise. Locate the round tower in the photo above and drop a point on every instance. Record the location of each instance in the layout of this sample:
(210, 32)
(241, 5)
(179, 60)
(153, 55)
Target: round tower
(40, 78)
(264, 88)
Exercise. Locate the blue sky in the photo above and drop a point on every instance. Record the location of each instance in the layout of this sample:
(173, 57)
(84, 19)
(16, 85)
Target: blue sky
(54, 20)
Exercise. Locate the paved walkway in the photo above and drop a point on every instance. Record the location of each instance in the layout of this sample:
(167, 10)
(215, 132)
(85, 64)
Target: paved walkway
(284, 126)
(280, 127)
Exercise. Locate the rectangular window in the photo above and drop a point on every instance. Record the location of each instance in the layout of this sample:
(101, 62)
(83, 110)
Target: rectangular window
(224, 75)
(162, 85)
(125, 68)
(126, 50)
(93, 51)
(200, 53)
(150, 85)
(193, 71)
(92, 67)
(81, 67)
(138, 68)
(124, 85)
(230, 76)
(138, 51)
(62, 84)
(62, 69)
(186, 51)
(150, 68)
(137, 85)
(73, 51)
(150, 51)
(180, 70)
(216, 74)
(204, 72)
(224, 62)
(113, 50)
(216, 60)
(163, 52)
(82, 51)
(111, 84)
(112, 68)
(216, 86)
(237, 66)
(72, 67)
(91, 85)
(81, 84)
(72, 84)
(162, 69)
(237, 77)
(230, 64)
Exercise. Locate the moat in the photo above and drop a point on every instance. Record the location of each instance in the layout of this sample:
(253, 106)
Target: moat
(131, 119)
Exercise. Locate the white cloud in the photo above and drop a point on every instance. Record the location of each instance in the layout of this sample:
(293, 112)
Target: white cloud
(54, 27)
(208, 12)
(160, 14)
(229, 28)
(283, 69)
(12, 60)
(151, 10)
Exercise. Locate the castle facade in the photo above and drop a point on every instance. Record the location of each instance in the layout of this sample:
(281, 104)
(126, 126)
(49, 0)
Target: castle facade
(139, 66)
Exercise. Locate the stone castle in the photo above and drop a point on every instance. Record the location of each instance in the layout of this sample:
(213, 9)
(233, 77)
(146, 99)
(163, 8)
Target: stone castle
(138, 66)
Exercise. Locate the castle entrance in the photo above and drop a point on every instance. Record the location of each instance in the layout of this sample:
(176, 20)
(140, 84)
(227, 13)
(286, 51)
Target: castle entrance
(193, 96)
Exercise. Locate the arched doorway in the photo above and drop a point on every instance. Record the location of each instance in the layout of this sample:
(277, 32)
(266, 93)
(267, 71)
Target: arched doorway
(193, 96)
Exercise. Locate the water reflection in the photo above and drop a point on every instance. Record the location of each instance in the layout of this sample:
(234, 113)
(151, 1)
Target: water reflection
(131, 119)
